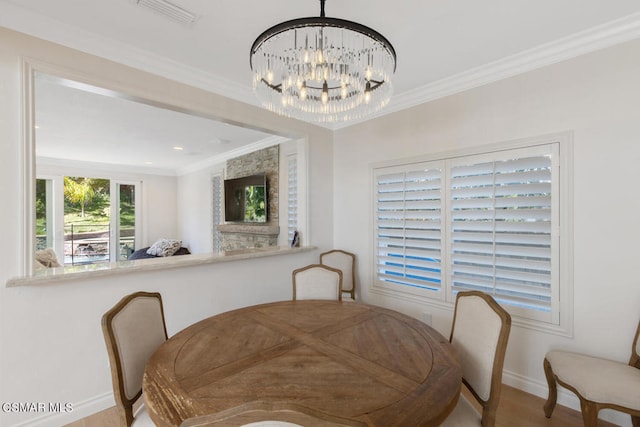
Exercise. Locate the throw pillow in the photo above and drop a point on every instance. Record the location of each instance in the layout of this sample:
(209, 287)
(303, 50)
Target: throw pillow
(164, 247)
(47, 257)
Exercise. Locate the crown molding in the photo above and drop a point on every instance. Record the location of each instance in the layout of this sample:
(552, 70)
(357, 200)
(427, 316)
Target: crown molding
(599, 37)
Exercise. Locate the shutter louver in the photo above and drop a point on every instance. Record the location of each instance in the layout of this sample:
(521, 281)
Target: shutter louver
(501, 230)
(408, 228)
(292, 196)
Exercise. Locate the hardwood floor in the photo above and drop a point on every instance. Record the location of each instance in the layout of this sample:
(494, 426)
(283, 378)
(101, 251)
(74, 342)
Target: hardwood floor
(520, 409)
(517, 409)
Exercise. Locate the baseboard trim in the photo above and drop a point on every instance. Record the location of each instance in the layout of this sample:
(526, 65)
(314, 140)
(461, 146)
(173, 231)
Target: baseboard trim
(565, 397)
(80, 410)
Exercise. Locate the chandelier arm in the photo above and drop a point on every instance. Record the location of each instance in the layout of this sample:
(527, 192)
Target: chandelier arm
(277, 88)
(376, 83)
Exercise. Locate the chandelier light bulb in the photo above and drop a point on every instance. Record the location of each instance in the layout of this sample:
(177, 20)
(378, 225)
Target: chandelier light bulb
(322, 69)
(367, 93)
(325, 93)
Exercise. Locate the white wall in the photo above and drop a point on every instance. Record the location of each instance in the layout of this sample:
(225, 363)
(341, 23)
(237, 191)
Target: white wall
(159, 209)
(595, 96)
(195, 205)
(52, 348)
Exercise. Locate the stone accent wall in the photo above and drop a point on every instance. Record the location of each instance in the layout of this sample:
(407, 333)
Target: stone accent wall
(236, 236)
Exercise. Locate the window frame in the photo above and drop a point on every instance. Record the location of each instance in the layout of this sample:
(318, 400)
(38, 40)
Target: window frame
(114, 220)
(57, 210)
(561, 319)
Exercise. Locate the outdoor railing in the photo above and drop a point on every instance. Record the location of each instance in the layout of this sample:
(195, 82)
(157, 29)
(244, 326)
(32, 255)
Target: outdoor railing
(90, 244)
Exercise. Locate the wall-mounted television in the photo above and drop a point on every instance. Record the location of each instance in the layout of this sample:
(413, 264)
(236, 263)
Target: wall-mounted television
(245, 199)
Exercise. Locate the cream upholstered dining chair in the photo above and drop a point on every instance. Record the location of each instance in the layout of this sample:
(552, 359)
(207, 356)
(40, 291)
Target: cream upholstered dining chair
(480, 334)
(317, 281)
(345, 262)
(266, 414)
(133, 329)
(598, 383)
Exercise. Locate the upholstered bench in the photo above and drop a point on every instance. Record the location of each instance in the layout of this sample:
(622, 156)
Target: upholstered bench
(598, 383)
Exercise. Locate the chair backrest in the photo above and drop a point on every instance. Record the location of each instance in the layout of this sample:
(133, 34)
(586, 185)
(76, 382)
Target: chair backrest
(345, 262)
(480, 333)
(635, 350)
(133, 329)
(265, 414)
(317, 281)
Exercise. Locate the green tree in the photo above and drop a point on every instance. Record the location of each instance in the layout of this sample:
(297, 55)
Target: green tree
(79, 191)
(41, 207)
(255, 204)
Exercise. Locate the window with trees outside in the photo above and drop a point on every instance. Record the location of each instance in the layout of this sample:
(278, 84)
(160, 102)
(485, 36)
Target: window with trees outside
(487, 221)
(86, 220)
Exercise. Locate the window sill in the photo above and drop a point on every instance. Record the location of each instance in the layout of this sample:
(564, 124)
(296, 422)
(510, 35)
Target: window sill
(60, 274)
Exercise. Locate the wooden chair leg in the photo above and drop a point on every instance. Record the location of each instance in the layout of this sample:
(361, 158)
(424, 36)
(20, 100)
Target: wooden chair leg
(589, 413)
(550, 404)
(489, 417)
(126, 415)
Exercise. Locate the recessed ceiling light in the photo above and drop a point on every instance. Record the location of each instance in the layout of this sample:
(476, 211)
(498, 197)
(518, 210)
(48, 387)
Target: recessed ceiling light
(148, 163)
(178, 148)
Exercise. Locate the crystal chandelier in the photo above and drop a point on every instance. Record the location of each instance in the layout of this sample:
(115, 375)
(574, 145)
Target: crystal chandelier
(322, 69)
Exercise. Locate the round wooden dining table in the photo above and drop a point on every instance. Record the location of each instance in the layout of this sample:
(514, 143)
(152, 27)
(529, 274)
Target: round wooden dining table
(350, 360)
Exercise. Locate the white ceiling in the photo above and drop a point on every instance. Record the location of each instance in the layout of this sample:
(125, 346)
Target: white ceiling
(80, 123)
(443, 46)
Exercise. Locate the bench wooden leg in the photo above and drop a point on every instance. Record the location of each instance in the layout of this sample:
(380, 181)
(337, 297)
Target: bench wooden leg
(550, 404)
(589, 413)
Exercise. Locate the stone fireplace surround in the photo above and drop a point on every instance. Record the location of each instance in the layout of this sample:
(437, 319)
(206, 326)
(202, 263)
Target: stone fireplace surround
(235, 236)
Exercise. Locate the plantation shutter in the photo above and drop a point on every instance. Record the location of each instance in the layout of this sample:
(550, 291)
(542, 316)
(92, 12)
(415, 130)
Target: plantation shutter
(217, 211)
(408, 227)
(292, 196)
(501, 227)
